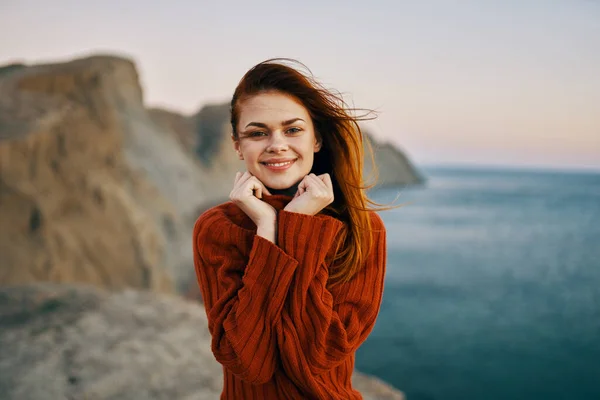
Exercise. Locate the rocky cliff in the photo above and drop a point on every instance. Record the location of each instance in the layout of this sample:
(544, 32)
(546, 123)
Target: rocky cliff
(92, 188)
(393, 167)
(72, 209)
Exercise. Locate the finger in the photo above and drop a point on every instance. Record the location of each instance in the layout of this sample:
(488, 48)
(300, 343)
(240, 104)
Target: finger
(316, 184)
(257, 190)
(237, 184)
(240, 182)
(257, 187)
(300, 189)
(262, 186)
(303, 185)
(319, 179)
(326, 179)
(319, 188)
(244, 178)
(249, 188)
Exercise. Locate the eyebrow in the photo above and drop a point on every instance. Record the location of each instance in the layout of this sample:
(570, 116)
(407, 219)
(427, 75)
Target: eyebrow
(284, 123)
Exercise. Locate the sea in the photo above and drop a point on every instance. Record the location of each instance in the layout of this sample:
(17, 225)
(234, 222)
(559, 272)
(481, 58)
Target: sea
(492, 287)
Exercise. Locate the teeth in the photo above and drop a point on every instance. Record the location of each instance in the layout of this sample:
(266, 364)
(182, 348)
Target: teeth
(280, 164)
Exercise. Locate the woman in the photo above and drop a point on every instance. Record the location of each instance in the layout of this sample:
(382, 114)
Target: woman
(291, 270)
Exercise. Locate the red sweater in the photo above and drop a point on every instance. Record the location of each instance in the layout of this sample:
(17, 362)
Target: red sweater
(276, 329)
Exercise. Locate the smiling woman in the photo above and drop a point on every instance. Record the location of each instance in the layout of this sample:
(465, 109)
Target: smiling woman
(291, 270)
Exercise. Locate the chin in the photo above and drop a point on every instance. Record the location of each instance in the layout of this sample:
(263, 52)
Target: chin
(279, 183)
(279, 186)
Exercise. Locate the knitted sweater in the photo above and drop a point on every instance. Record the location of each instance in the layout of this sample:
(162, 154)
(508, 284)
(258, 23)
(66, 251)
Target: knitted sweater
(276, 329)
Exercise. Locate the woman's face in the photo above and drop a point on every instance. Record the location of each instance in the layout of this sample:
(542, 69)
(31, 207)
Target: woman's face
(276, 139)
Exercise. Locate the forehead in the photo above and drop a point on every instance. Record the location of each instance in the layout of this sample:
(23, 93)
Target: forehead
(271, 108)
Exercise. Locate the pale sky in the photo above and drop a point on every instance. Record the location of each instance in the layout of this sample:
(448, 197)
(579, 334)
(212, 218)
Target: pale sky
(513, 82)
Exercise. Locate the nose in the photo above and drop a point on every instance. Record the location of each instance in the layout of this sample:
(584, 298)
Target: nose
(277, 143)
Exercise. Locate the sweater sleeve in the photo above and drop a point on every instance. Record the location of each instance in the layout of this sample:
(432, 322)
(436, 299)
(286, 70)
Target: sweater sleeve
(317, 332)
(243, 295)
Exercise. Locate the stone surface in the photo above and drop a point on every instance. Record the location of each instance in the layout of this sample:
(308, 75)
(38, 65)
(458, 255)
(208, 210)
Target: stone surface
(72, 208)
(393, 168)
(76, 342)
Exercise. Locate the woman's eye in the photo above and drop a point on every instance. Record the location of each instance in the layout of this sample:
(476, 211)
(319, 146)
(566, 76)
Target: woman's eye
(256, 133)
(294, 130)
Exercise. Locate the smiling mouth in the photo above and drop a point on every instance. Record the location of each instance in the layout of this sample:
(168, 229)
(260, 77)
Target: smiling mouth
(279, 164)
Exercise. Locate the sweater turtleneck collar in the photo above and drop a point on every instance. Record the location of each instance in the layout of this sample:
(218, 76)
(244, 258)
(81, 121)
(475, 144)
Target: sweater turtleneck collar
(279, 198)
(291, 191)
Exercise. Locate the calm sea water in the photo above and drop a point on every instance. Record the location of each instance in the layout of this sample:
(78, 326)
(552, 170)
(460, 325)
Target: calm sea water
(493, 287)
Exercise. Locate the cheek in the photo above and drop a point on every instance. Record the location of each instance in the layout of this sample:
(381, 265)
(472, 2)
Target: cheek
(249, 151)
(305, 145)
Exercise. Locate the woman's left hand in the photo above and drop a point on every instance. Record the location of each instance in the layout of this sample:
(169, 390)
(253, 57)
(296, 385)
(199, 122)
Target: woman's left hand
(314, 194)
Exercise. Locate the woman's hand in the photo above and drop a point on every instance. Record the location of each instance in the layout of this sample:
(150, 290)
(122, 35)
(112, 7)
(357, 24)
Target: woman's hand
(314, 194)
(247, 192)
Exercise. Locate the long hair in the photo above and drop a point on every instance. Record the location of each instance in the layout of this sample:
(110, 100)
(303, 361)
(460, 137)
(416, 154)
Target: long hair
(341, 154)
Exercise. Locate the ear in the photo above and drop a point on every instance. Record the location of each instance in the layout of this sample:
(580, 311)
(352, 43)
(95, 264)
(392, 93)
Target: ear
(236, 147)
(318, 143)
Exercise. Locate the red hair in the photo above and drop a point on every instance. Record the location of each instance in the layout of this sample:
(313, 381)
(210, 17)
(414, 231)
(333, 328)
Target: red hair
(341, 154)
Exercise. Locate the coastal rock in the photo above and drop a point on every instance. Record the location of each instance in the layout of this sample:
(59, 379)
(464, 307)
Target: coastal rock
(393, 167)
(79, 342)
(95, 188)
(71, 208)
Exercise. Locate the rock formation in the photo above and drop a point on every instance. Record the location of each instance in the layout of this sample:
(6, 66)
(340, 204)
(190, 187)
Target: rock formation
(92, 188)
(393, 168)
(75, 342)
(72, 210)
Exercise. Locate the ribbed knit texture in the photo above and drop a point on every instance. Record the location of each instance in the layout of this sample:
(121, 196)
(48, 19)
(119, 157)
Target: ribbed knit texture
(276, 329)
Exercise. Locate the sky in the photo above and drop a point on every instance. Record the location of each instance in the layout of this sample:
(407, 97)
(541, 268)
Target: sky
(497, 83)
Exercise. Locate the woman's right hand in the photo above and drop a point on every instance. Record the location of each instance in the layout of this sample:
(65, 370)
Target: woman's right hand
(247, 192)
